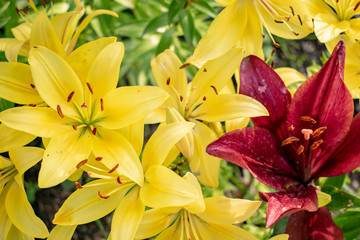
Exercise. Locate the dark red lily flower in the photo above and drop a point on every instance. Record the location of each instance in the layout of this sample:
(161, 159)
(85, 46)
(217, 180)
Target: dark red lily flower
(310, 136)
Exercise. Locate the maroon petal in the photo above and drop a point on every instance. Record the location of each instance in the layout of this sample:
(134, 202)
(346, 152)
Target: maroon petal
(318, 225)
(284, 203)
(257, 150)
(325, 98)
(347, 157)
(258, 80)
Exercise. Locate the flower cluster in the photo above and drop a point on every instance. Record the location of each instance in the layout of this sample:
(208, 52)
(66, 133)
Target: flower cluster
(67, 94)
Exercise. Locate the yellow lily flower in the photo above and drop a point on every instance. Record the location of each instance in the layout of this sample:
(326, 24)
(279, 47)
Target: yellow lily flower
(209, 218)
(17, 218)
(241, 22)
(83, 116)
(57, 34)
(160, 187)
(333, 17)
(200, 101)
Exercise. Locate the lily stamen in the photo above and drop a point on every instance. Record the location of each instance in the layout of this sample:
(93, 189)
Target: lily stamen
(78, 185)
(103, 196)
(215, 90)
(289, 140)
(58, 108)
(300, 150)
(114, 168)
(74, 127)
(90, 88)
(356, 6)
(70, 96)
(81, 163)
(99, 158)
(318, 132)
(94, 131)
(316, 144)
(184, 65)
(102, 104)
(308, 119)
(168, 81)
(118, 180)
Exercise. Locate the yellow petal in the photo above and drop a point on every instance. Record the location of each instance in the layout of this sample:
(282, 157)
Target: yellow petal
(22, 31)
(15, 233)
(39, 121)
(159, 189)
(222, 35)
(280, 237)
(4, 218)
(292, 27)
(205, 167)
(238, 123)
(323, 198)
(213, 231)
(218, 72)
(25, 157)
(104, 72)
(227, 107)
(197, 206)
(174, 232)
(55, 80)
(4, 163)
(85, 205)
(130, 208)
(225, 3)
(64, 152)
(157, 116)
(115, 149)
(12, 49)
(43, 34)
(220, 210)
(76, 175)
(135, 134)
(16, 84)
(169, 76)
(126, 105)
(164, 138)
(174, 152)
(64, 25)
(290, 75)
(62, 232)
(21, 213)
(84, 24)
(11, 138)
(153, 222)
(82, 58)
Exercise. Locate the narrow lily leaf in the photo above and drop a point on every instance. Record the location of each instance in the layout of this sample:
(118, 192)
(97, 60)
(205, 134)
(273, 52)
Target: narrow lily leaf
(116, 150)
(25, 157)
(11, 138)
(21, 213)
(205, 167)
(104, 72)
(174, 8)
(82, 58)
(165, 137)
(337, 181)
(349, 223)
(158, 189)
(204, 6)
(153, 222)
(213, 76)
(227, 107)
(130, 208)
(85, 204)
(39, 121)
(43, 34)
(126, 105)
(16, 84)
(166, 40)
(55, 80)
(157, 22)
(188, 26)
(340, 200)
(62, 232)
(64, 152)
(224, 210)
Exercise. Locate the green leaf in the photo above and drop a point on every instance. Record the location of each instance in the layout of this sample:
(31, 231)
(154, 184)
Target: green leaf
(337, 181)
(4, 104)
(280, 226)
(349, 223)
(157, 22)
(340, 199)
(205, 7)
(187, 24)
(166, 40)
(175, 7)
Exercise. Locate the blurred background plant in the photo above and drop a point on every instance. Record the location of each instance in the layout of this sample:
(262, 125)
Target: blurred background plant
(148, 27)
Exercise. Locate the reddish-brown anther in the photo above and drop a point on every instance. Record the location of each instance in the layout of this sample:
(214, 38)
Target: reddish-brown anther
(82, 163)
(320, 115)
(103, 196)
